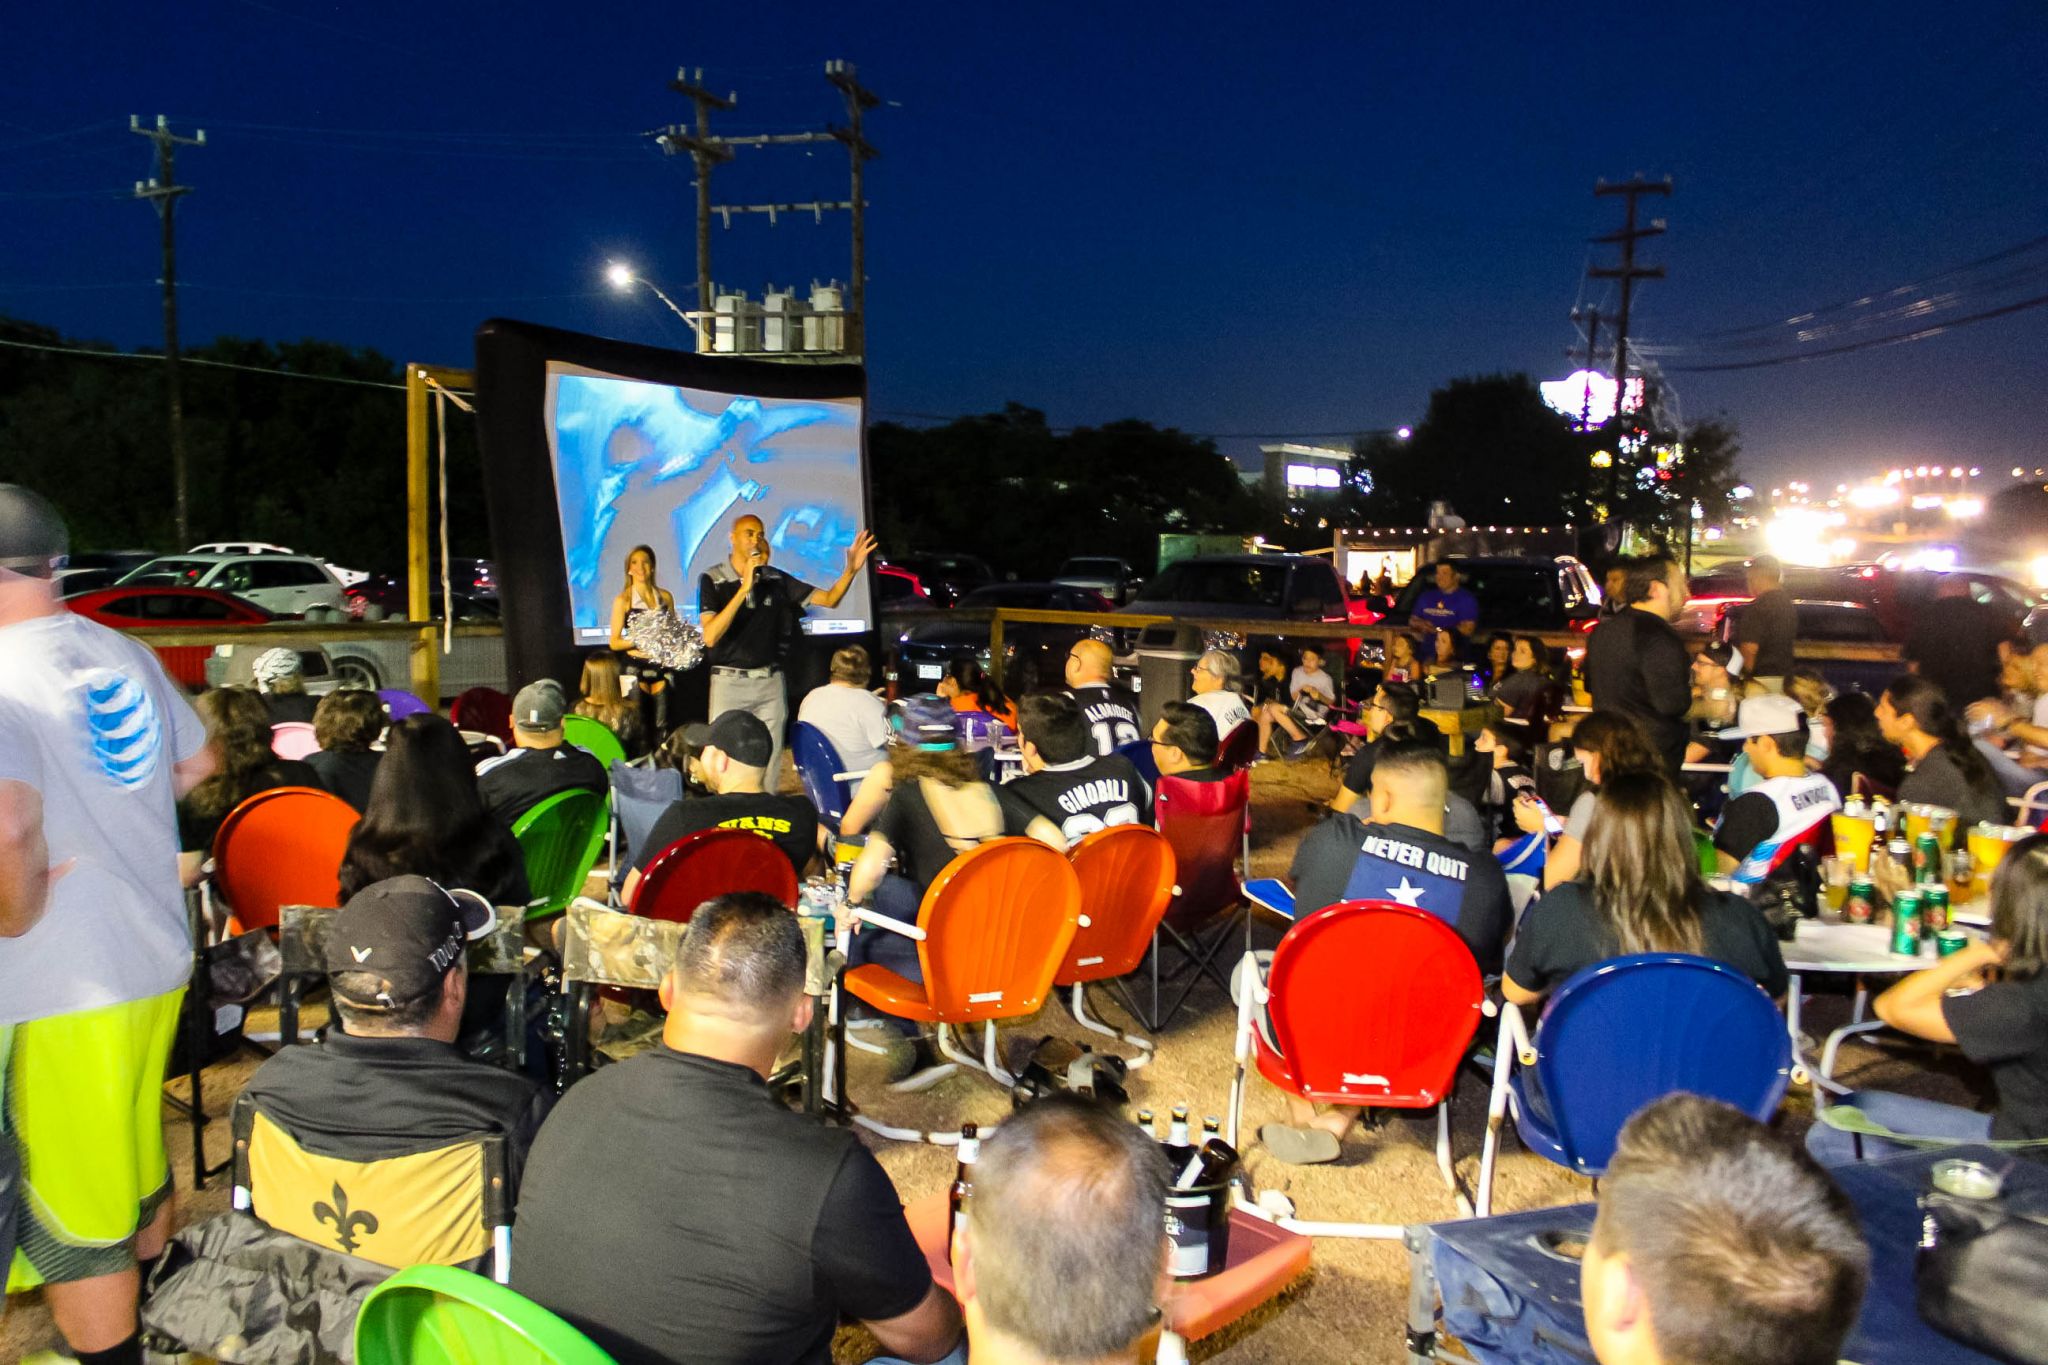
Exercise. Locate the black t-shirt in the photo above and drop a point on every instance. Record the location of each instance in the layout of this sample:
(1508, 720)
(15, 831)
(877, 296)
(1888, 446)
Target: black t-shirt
(1637, 664)
(761, 634)
(347, 773)
(2005, 1027)
(673, 1211)
(1937, 780)
(363, 1098)
(791, 821)
(1265, 689)
(1565, 931)
(1955, 641)
(1358, 772)
(292, 706)
(922, 852)
(196, 830)
(1080, 798)
(513, 784)
(1346, 859)
(1771, 623)
(1112, 716)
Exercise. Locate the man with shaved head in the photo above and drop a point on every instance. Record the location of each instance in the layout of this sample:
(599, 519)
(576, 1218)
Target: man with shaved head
(751, 615)
(674, 1208)
(1064, 1248)
(1111, 712)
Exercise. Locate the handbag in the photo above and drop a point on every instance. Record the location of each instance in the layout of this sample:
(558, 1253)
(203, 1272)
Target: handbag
(1982, 1274)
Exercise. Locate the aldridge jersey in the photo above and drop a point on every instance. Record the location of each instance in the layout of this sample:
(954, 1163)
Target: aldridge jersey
(1112, 716)
(1079, 797)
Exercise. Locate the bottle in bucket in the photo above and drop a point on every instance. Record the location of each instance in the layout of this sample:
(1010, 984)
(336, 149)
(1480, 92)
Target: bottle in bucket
(1198, 1211)
(1934, 909)
(963, 1182)
(1860, 905)
(1906, 924)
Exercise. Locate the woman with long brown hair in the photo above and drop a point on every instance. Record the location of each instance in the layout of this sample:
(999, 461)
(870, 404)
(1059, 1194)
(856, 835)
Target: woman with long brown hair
(238, 732)
(1640, 892)
(604, 700)
(1607, 745)
(642, 593)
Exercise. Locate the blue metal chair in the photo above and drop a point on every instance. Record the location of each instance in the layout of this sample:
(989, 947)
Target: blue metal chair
(818, 767)
(1622, 1033)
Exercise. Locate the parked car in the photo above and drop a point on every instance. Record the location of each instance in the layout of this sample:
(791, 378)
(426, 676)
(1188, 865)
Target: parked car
(346, 577)
(1034, 654)
(896, 587)
(1517, 592)
(285, 585)
(1298, 589)
(201, 608)
(1113, 578)
(234, 665)
(1823, 622)
(947, 577)
(97, 569)
(1899, 597)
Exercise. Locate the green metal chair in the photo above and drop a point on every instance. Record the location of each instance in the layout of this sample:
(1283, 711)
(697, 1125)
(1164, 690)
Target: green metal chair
(438, 1315)
(593, 737)
(561, 838)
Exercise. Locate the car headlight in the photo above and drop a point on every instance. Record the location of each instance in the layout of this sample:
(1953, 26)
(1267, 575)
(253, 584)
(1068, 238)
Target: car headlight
(1222, 639)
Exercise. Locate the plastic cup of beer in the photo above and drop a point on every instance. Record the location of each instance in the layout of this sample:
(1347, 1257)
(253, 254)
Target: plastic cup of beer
(1853, 837)
(1988, 844)
(1922, 818)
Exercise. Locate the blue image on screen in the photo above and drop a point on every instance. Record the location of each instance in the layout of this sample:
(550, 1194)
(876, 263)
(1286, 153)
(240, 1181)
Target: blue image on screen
(641, 463)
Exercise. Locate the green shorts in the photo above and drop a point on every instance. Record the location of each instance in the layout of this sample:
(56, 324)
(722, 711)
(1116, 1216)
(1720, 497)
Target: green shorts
(82, 1097)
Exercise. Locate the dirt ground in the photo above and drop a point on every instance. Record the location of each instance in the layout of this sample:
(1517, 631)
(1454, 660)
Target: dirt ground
(1351, 1306)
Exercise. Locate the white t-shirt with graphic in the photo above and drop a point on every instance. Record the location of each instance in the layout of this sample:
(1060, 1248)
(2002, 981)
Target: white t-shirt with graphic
(89, 719)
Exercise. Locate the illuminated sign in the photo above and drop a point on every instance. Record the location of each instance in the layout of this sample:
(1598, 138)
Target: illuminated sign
(1590, 395)
(1314, 476)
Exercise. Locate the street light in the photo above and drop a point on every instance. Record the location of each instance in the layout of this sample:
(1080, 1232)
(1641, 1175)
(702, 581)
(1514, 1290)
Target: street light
(622, 277)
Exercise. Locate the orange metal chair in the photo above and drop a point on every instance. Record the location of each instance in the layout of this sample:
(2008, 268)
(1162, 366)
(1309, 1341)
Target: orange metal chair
(280, 847)
(1208, 824)
(712, 862)
(992, 930)
(1127, 882)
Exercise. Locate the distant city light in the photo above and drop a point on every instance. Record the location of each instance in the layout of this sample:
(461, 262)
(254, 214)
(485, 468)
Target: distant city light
(1874, 495)
(1404, 432)
(1741, 491)
(1964, 508)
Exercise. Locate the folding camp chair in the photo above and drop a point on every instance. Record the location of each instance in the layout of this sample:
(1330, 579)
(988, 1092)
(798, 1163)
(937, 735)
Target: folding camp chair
(1370, 1004)
(1624, 1032)
(1126, 875)
(993, 928)
(1208, 824)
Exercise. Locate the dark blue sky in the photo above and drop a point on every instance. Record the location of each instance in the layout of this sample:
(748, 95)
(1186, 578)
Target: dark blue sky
(1285, 219)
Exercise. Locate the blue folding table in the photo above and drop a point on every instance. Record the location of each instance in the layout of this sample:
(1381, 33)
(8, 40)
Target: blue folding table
(1509, 1294)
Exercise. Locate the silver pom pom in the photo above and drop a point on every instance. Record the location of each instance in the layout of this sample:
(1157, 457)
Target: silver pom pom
(664, 637)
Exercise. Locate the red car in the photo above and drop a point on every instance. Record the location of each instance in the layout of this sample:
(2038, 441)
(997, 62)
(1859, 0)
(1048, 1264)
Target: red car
(152, 605)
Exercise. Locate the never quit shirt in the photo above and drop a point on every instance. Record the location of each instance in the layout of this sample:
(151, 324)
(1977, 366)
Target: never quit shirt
(674, 1211)
(1082, 797)
(767, 623)
(1112, 716)
(1346, 859)
(790, 821)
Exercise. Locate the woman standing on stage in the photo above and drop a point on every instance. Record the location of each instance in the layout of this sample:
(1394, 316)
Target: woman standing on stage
(643, 594)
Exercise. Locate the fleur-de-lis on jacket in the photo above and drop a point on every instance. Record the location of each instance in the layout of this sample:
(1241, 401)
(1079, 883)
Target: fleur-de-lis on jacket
(346, 1222)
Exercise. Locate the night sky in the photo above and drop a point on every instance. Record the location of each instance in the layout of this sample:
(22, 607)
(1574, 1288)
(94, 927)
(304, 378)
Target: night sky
(1241, 219)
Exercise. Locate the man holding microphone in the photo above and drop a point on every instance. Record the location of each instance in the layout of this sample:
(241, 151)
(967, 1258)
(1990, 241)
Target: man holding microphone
(750, 615)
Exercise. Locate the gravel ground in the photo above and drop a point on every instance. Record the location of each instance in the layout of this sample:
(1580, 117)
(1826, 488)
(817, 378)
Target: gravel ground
(1351, 1306)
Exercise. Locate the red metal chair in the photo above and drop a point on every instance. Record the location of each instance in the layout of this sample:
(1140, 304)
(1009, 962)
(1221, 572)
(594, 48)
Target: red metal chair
(712, 862)
(484, 710)
(1127, 881)
(1368, 1004)
(280, 847)
(1208, 825)
(994, 927)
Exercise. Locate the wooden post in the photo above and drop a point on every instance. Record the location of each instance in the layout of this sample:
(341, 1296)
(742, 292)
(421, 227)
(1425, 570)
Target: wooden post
(419, 591)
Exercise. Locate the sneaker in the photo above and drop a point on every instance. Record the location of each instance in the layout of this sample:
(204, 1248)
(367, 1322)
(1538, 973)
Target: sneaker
(1301, 746)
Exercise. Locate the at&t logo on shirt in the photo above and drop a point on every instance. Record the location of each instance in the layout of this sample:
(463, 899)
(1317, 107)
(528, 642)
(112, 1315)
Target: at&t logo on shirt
(126, 734)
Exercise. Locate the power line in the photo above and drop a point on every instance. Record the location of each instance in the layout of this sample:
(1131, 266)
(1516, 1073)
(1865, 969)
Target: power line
(91, 354)
(1871, 343)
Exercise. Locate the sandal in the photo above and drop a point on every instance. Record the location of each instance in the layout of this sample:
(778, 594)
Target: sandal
(1304, 1146)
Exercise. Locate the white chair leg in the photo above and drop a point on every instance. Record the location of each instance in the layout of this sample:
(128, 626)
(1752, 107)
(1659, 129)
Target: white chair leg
(1496, 1104)
(1241, 1049)
(1444, 1161)
(934, 1138)
(1090, 1022)
(990, 1062)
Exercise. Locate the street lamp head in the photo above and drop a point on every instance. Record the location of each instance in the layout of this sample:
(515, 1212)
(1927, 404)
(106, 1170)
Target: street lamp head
(619, 274)
(1404, 432)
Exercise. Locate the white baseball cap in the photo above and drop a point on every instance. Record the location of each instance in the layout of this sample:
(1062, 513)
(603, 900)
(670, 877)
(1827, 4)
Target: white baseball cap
(1769, 714)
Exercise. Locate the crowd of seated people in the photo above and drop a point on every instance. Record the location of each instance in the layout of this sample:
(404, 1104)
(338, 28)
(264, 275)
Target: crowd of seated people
(1058, 1257)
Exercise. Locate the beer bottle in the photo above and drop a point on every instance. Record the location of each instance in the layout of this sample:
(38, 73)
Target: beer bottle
(1178, 1147)
(963, 1182)
(1212, 1165)
(1146, 1125)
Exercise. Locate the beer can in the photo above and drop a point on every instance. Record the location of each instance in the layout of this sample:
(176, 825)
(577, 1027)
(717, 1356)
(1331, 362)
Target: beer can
(1906, 924)
(1934, 911)
(1950, 941)
(1860, 905)
(1927, 864)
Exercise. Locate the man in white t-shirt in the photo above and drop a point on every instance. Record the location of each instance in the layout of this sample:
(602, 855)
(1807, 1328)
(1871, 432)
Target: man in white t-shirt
(1215, 691)
(853, 718)
(96, 746)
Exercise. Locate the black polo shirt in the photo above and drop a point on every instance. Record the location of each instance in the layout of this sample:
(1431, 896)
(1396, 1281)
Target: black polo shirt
(767, 624)
(361, 1098)
(674, 1211)
(513, 784)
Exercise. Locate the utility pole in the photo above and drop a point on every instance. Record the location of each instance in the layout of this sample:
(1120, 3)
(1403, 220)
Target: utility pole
(705, 151)
(163, 191)
(1628, 272)
(1586, 362)
(859, 152)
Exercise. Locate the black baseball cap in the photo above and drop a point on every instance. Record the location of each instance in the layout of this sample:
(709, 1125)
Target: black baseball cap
(406, 931)
(741, 737)
(32, 534)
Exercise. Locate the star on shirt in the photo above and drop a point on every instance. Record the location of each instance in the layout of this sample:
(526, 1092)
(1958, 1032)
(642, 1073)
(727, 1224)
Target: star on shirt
(1410, 896)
